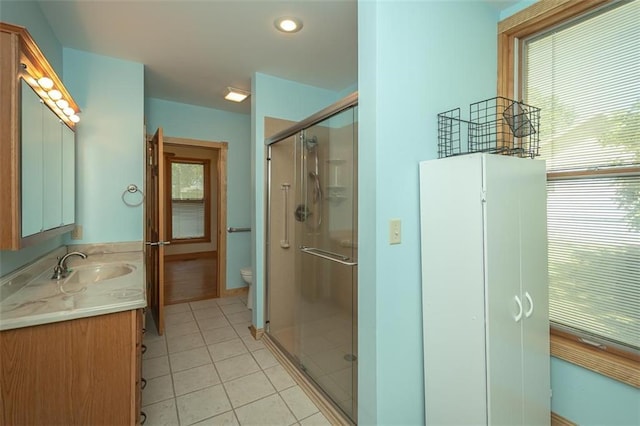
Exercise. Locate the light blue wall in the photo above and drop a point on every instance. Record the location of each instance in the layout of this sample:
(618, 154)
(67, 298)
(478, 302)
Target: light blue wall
(588, 398)
(194, 122)
(415, 59)
(368, 77)
(348, 90)
(29, 15)
(110, 144)
(580, 395)
(273, 97)
(517, 7)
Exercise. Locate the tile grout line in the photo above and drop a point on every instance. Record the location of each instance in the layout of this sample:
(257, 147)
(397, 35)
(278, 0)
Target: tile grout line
(224, 389)
(175, 401)
(207, 346)
(277, 392)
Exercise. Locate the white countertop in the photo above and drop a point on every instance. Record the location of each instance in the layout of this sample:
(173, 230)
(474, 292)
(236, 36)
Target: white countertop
(41, 300)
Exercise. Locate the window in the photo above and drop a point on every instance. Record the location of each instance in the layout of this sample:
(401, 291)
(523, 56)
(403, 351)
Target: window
(189, 209)
(582, 69)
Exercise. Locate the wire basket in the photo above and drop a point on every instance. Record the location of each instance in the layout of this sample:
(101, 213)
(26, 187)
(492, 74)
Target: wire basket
(497, 126)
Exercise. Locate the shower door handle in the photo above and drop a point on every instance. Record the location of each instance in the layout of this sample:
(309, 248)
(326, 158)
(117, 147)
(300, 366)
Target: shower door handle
(334, 257)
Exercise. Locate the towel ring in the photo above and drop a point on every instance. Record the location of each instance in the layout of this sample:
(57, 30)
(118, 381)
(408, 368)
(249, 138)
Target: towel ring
(132, 189)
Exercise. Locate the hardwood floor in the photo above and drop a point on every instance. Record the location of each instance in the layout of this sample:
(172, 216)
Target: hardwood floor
(190, 278)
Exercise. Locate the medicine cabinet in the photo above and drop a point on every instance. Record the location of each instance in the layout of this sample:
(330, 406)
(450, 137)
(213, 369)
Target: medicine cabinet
(37, 145)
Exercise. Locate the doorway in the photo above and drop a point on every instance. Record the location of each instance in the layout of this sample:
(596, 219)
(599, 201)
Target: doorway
(195, 220)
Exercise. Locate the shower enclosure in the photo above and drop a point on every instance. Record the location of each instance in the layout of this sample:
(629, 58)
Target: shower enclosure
(312, 250)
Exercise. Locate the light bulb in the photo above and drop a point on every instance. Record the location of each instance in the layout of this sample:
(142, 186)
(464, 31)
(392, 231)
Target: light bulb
(288, 24)
(55, 94)
(62, 104)
(74, 118)
(68, 111)
(46, 83)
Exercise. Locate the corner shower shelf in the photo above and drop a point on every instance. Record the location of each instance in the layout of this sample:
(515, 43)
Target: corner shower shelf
(336, 193)
(335, 172)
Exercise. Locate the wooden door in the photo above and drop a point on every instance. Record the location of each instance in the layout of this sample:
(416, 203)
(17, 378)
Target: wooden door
(155, 228)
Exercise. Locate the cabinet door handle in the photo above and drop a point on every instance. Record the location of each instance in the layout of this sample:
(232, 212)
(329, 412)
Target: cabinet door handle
(519, 314)
(529, 311)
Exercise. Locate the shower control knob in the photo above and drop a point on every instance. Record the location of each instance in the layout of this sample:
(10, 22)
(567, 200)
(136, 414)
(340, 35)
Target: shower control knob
(302, 213)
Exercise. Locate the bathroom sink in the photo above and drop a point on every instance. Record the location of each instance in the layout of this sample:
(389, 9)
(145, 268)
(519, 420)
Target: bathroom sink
(96, 273)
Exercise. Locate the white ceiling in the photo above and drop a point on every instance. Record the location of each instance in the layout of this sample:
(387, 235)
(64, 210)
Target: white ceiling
(193, 49)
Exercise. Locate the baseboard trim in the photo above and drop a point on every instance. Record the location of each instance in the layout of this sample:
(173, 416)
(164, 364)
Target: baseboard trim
(241, 291)
(332, 414)
(257, 333)
(557, 420)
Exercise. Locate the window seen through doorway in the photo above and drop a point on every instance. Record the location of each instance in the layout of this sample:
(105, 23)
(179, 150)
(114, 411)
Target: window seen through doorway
(189, 215)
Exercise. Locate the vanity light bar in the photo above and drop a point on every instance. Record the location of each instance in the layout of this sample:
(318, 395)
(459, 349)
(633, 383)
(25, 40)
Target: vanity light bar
(45, 87)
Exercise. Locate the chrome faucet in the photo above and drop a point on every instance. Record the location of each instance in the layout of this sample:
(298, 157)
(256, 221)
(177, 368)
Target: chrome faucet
(61, 270)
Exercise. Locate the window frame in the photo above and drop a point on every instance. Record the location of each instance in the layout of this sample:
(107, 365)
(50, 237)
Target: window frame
(607, 360)
(170, 159)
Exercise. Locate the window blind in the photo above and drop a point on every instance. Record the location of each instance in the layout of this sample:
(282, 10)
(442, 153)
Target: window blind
(594, 256)
(585, 77)
(188, 219)
(188, 208)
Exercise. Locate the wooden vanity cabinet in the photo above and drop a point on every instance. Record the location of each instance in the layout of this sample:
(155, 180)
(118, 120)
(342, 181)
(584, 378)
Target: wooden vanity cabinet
(37, 146)
(79, 372)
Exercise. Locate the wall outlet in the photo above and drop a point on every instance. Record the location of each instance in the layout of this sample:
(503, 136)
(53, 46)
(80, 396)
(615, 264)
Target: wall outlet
(395, 232)
(76, 234)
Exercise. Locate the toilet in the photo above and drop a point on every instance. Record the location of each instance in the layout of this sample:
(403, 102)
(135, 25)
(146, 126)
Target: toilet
(247, 278)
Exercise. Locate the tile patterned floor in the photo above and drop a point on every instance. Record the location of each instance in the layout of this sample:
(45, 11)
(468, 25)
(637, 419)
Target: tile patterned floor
(208, 370)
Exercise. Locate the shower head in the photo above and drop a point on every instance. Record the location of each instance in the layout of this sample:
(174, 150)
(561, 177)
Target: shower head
(310, 142)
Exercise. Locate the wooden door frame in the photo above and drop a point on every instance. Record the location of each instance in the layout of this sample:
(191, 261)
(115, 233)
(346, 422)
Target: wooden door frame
(220, 169)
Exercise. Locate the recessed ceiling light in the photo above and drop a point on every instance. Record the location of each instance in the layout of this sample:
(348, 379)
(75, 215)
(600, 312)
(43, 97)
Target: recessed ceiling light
(236, 95)
(288, 24)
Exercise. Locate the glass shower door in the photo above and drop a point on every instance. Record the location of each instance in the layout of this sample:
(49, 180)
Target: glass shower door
(282, 255)
(326, 235)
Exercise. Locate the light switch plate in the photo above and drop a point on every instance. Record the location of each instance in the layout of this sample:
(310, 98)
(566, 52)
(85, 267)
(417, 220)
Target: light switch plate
(395, 232)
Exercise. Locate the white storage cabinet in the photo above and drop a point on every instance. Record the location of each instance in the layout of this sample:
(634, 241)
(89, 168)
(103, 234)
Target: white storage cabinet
(485, 290)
